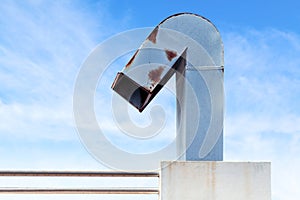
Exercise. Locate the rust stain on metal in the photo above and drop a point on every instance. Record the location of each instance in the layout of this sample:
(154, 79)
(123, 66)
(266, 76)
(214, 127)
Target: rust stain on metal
(213, 179)
(170, 54)
(132, 59)
(153, 35)
(211, 168)
(155, 75)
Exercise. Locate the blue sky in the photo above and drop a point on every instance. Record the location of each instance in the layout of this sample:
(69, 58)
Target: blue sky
(43, 44)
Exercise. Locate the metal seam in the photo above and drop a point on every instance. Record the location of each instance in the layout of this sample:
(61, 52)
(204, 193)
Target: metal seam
(204, 68)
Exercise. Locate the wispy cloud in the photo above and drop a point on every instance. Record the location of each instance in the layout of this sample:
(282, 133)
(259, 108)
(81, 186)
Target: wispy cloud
(262, 94)
(42, 45)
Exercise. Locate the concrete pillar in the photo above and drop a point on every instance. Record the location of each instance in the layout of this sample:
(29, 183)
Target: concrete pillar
(215, 180)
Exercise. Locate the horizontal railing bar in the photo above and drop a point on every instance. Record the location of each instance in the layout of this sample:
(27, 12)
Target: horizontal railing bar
(78, 191)
(79, 173)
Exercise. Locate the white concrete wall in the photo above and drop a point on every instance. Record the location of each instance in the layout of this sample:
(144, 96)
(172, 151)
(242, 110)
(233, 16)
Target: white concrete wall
(203, 180)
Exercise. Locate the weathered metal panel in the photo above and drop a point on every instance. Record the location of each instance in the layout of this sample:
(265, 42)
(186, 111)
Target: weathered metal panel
(200, 90)
(139, 91)
(200, 94)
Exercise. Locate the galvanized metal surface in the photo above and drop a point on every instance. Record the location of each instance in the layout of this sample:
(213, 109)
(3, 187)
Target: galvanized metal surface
(200, 109)
(168, 40)
(199, 136)
(139, 95)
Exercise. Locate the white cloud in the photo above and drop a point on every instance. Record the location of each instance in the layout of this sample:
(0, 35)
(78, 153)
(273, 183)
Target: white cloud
(263, 116)
(33, 122)
(42, 48)
(42, 45)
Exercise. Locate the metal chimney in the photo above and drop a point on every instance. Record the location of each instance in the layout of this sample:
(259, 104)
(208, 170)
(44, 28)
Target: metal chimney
(189, 46)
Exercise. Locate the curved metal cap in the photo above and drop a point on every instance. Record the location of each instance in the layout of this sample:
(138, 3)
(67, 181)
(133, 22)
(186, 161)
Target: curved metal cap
(179, 38)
